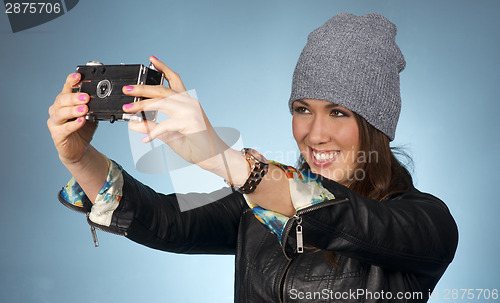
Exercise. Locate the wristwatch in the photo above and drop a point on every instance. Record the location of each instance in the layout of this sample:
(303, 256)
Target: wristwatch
(258, 169)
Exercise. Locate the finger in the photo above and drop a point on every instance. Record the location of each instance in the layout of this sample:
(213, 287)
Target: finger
(142, 127)
(138, 106)
(165, 131)
(62, 131)
(148, 91)
(73, 126)
(152, 129)
(70, 99)
(146, 105)
(147, 128)
(173, 79)
(71, 81)
(166, 105)
(64, 114)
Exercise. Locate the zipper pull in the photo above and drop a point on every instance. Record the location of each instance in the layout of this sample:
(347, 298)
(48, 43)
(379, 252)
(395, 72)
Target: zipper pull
(93, 232)
(94, 236)
(300, 239)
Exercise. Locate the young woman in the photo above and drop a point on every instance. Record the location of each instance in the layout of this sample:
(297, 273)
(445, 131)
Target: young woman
(348, 225)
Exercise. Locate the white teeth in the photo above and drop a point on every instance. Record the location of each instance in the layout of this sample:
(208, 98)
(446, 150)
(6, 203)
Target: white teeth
(324, 156)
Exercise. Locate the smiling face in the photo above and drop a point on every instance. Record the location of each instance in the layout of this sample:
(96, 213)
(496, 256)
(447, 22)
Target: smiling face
(328, 138)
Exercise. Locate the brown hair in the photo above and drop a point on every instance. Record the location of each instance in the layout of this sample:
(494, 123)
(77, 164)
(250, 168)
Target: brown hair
(383, 177)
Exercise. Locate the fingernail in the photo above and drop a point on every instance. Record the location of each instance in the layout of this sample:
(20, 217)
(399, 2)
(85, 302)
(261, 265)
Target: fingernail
(154, 57)
(74, 75)
(81, 109)
(127, 106)
(129, 88)
(82, 97)
(80, 120)
(145, 139)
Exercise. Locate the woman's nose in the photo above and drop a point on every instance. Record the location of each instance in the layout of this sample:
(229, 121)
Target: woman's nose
(318, 132)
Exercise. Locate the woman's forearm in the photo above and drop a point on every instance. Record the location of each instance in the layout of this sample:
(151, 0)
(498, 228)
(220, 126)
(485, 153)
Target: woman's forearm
(90, 171)
(272, 193)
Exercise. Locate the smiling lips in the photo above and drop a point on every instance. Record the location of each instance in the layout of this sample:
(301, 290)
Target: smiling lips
(323, 158)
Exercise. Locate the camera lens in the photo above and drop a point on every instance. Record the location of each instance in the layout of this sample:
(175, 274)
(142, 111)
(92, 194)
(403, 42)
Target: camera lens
(104, 89)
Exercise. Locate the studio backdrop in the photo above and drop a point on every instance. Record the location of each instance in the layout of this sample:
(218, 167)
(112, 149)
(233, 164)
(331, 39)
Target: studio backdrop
(238, 57)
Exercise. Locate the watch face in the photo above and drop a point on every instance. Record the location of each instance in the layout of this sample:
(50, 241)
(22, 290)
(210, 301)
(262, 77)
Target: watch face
(258, 156)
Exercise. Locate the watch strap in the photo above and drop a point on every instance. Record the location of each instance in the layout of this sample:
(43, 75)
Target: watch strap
(258, 170)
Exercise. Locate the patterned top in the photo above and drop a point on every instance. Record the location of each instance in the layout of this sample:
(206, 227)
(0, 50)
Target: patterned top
(305, 190)
(107, 200)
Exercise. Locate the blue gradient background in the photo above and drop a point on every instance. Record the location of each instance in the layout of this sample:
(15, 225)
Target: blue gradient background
(237, 55)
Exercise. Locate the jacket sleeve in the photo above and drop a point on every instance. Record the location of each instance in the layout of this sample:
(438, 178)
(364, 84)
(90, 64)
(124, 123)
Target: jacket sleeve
(156, 220)
(182, 223)
(412, 232)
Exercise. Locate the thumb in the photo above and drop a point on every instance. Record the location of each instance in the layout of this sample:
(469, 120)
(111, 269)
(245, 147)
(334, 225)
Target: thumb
(71, 81)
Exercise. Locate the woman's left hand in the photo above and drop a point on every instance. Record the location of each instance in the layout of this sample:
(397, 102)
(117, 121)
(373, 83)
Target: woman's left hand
(187, 131)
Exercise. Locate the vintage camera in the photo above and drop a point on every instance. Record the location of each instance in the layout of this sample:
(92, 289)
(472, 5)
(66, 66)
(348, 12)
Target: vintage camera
(104, 85)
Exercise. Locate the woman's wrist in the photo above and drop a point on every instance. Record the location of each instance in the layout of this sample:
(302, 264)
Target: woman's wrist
(238, 168)
(90, 171)
(230, 165)
(72, 162)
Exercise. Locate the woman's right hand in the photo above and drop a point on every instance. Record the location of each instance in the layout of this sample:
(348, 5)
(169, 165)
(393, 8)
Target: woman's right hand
(70, 131)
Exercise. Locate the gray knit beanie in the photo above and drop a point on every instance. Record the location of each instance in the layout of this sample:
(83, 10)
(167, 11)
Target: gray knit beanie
(353, 62)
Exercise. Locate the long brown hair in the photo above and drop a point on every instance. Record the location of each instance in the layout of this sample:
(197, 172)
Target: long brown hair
(383, 176)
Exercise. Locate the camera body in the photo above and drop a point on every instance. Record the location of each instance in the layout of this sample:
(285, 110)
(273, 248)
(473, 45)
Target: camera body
(104, 85)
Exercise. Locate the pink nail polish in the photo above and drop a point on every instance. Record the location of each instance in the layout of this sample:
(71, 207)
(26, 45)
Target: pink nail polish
(145, 139)
(81, 97)
(154, 57)
(74, 75)
(80, 120)
(81, 108)
(129, 88)
(127, 106)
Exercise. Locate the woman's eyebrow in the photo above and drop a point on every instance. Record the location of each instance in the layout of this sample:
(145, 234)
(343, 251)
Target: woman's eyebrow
(332, 105)
(302, 102)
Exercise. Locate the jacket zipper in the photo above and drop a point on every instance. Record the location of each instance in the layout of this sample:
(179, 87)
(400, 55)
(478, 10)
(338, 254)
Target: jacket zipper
(282, 282)
(94, 236)
(300, 239)
(94, 226)
(297, 217)
(298, 231)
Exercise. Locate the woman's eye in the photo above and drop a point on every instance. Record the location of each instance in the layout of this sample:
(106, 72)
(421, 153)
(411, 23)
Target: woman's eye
(301, 110)
(338, 113)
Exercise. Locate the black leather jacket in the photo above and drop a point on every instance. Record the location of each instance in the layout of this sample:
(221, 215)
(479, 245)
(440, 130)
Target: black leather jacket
(390, 251)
